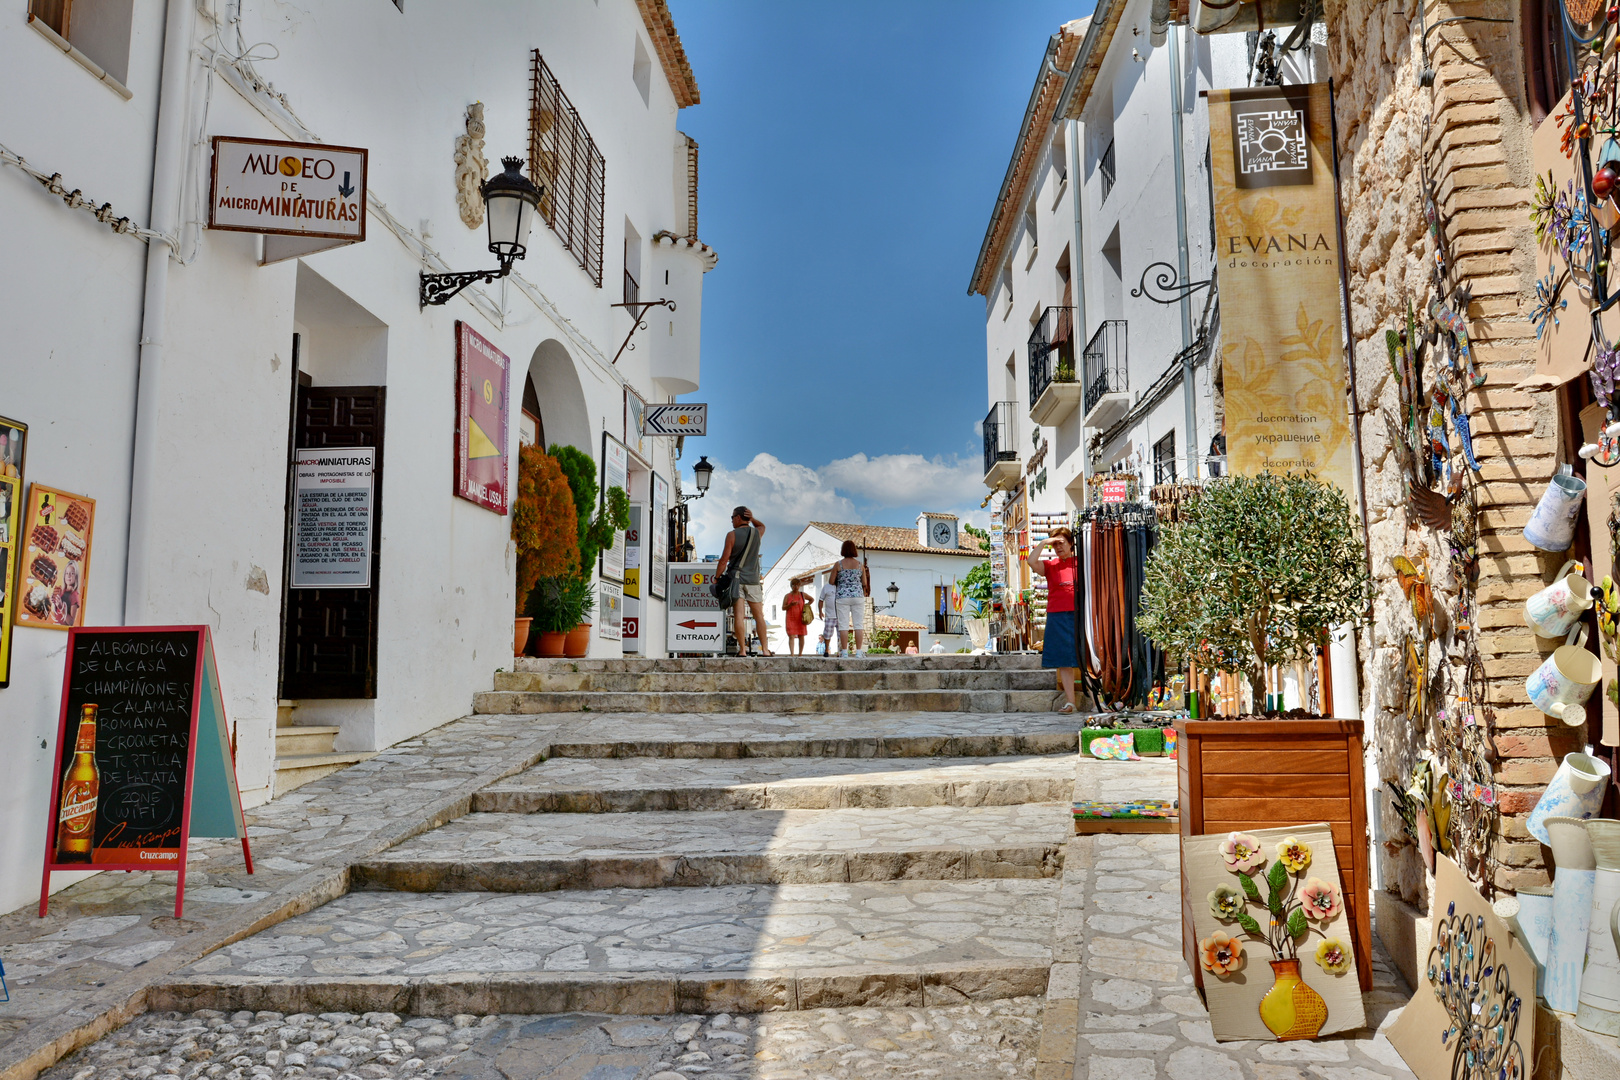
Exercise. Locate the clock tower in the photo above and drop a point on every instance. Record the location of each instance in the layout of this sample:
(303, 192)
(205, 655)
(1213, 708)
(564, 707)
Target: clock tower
(936, 530)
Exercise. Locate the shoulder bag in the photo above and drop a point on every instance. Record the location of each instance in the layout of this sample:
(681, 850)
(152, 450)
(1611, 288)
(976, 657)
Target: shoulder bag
(723, 586)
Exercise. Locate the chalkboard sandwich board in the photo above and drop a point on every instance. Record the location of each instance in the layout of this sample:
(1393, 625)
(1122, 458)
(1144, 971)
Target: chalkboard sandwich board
(143, 758)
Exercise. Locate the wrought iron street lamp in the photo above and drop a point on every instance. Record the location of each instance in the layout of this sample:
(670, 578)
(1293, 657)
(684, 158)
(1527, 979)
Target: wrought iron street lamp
(702, 472)
(894, 596)
(510, 202)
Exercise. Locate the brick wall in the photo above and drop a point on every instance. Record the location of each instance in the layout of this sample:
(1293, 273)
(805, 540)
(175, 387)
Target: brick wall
(1476, 145)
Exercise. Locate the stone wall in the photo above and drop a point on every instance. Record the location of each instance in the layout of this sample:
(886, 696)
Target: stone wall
(1472, 130)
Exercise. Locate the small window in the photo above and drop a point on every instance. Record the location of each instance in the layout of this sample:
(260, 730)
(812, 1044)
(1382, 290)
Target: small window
(1164, 460)
(641, 72)
(98, 29)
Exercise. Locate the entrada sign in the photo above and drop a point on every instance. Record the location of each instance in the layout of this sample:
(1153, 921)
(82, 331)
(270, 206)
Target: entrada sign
(288, 188)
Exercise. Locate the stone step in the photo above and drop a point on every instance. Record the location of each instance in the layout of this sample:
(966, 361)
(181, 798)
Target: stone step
(626, 785)
(741, 948)
(823, 735)
(853, 701)
(294, 740)
(534, 853)
(820, 682)
(924, 662)
(296, 770)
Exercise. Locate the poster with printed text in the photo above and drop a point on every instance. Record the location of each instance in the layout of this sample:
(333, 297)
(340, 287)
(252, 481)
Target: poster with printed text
(53, 559)
(609, 611)
(615, 474)
(1277, 252)
(658, 556)
(482, 411)
(13, 443)
(332, 518)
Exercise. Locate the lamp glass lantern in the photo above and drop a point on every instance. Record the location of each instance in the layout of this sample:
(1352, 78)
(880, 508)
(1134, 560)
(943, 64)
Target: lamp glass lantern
(894, 594)
(510, 203)
(702, 472)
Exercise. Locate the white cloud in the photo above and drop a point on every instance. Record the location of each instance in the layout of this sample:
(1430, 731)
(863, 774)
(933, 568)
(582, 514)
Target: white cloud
(882, 490)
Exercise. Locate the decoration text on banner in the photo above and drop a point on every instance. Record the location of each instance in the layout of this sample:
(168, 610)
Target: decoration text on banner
(1277, 250)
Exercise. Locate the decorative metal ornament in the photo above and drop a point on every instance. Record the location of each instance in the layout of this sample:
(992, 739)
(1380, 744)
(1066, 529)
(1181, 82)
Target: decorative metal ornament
(1582, 12)
(1165, 282)
(1482, 1006)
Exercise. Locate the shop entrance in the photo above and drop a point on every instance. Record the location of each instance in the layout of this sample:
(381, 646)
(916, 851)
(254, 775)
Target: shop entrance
(329, 635)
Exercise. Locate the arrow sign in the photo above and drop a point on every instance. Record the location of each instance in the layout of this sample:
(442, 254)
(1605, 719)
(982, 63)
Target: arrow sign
(676, 420)
(693, 624)
(345, 189)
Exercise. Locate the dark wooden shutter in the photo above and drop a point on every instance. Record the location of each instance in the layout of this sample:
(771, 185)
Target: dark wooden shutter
(329, 636)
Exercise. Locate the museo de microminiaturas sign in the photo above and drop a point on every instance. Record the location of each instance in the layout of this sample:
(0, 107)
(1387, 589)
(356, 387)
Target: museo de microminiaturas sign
(288, 188)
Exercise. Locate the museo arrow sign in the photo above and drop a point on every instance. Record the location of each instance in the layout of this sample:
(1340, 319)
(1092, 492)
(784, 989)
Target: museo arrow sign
(693, 624)
(676, 420)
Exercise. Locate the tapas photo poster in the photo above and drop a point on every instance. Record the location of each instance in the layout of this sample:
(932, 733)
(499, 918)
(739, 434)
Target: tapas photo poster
(13, 444)
(53, 557)
(615, 474)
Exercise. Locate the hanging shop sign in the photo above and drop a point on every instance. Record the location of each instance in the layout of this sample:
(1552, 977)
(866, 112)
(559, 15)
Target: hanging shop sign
(677, 420)
(631, 639)
(609, 611)
(635, 422)
(658, 555)
(1116, 491)
(696, 622)
(615, 474)
(53, 557)
(13, 445)
(482, 409)
(143, 754)
(332, 523)
(288, 188)
(1276, 226)
(633, 553)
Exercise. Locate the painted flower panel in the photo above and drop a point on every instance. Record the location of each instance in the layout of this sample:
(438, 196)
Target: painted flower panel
(1294, 854)
(1220, 954)
(1320, 900)
(1226, 902)
(1333, 956)
(1241, 853)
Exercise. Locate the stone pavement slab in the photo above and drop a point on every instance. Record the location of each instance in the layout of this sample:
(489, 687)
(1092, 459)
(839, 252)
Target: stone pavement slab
(624, 785)
(541, 852)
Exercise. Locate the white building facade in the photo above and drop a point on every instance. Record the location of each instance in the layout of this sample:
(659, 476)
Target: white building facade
(1098, 335)
(164, 368)
(924, 563)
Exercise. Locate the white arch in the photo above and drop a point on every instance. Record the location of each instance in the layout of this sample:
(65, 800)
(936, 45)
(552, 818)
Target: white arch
(562, 399)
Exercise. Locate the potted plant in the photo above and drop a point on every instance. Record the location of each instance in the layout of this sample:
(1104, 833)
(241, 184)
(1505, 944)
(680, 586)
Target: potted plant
(578, 601)
(1261, 569)
(543, 530)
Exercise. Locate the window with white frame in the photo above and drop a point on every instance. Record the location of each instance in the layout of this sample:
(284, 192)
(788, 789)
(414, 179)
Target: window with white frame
(98, 30)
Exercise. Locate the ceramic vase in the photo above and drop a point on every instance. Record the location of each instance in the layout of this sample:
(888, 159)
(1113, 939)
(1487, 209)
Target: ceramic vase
(1555, 610)
(520, 633)
(578, 641)
(1552, 526)
(1599, 1009)
(1563, 682)
(1576, 790)
(1531, 922)
(1291, 1009)
(1572, 912)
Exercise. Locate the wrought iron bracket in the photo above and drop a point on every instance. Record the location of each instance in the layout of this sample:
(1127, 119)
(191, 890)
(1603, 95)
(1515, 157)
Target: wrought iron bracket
(439, 288)
(1165, 282)
(640, 323)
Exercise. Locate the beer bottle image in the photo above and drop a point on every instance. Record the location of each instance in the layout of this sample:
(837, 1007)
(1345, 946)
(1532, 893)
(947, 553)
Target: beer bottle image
(81, 785)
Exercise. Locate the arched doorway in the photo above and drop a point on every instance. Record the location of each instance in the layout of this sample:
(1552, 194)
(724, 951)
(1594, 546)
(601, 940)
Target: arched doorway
(559, 400)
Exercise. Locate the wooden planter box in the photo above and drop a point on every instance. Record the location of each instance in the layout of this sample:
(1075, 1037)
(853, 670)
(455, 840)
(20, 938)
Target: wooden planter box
(1262, 774)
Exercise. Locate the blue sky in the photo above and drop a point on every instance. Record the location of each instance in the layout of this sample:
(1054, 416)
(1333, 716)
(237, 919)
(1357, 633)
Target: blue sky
(849, 157)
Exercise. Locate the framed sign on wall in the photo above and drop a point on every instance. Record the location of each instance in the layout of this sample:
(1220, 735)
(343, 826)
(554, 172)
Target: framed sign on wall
(482, 410)
(13, 445)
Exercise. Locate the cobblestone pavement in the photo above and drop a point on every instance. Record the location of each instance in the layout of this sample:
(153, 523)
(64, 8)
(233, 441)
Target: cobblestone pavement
(968, 1042)
(744, 927)
(598, 785)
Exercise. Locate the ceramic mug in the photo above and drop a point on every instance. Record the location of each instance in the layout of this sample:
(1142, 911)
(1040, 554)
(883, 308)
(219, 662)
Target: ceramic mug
(1552, 526)
(1575, 791)
(1599, 1009)
(1554, 611)
(1572, 912)
(1563, 682)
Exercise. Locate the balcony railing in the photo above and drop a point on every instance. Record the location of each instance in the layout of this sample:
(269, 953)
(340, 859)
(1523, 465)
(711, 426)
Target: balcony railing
(1103, 362)
(1105, 168)
(1051, 351)
(1000, 436)
(632, 289)
(945, 623)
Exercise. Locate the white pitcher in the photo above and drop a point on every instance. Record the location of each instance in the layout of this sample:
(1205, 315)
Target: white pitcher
(1563, 682)
(1552, 526)
(1599, 1009)
(1575, 791)
(1554, 611)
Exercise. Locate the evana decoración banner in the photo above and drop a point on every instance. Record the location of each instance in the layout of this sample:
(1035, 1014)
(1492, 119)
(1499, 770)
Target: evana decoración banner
(1276, 237)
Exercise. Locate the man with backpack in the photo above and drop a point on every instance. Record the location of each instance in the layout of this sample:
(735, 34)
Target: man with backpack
(743, 542)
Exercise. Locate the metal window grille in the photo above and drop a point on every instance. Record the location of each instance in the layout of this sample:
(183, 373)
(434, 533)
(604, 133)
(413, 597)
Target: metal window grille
(1106, 168)
(999, 435)
(1164, 460)
(692, 188)
(563, 157)
(1104, 362)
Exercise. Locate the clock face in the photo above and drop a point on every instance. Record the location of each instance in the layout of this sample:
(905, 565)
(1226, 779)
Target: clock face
(942, 532)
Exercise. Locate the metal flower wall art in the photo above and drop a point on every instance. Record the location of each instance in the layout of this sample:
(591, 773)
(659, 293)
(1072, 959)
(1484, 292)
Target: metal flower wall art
(1276, 899)
(1292, 903)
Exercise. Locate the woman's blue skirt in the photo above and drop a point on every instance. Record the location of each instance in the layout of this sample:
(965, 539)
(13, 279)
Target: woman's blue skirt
(1058, 650)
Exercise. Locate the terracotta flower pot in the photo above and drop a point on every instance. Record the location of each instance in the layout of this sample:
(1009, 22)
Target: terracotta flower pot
(520, 633)
(579, 641)
(551, 644)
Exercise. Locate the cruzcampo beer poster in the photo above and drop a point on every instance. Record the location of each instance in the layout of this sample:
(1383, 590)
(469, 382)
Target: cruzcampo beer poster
(1277, 249)
(481, 420)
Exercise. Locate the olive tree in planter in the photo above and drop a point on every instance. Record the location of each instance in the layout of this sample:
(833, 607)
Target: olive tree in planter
(1259, 571)
(543, 529)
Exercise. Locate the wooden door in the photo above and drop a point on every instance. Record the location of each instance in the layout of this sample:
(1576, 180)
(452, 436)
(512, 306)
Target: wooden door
(329, 635)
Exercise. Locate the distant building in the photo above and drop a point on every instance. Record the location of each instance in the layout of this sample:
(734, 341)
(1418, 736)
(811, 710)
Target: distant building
(923, 562)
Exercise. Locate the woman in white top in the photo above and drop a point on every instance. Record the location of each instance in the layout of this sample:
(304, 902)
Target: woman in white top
(853, 584)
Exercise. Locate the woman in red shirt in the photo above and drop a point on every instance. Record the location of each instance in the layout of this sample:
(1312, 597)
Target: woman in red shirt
(1058, 650)
(798, 612)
